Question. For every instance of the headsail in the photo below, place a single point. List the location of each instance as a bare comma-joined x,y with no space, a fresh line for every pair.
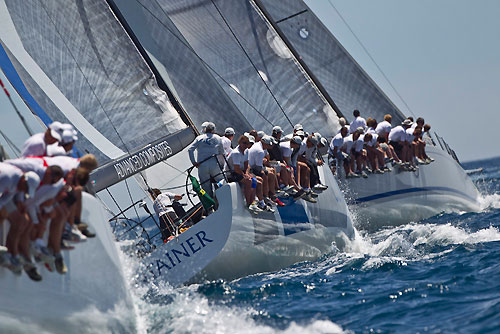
251,61
345,81
79,64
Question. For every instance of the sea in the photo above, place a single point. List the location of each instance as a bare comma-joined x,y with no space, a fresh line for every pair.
439,275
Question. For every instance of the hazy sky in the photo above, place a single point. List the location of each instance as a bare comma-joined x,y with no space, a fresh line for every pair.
443,57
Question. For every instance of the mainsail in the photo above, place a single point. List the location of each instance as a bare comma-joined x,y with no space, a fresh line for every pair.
252,63
345,81
78,63
193,84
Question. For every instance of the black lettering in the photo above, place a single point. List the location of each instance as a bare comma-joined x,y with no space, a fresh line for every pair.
203,238
171,261
191,244
175,252
160,264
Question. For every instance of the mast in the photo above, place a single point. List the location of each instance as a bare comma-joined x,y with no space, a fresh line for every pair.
297,57
159,79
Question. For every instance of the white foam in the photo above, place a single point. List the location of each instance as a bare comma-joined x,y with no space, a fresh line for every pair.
489,201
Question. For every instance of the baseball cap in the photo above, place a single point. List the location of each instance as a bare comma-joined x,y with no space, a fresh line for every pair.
229,131
68,136
261,134
33,181
298,126
267,140
56,129
324,141
407,122
277,129
251,138
296,140
360,129
210,126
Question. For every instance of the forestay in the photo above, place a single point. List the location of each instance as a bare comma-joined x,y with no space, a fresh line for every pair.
252,63
78,63
345,81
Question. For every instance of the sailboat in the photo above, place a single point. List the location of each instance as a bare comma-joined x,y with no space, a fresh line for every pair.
391,198
83,64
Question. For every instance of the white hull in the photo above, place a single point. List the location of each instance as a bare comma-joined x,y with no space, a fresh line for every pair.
232,242
91,297
397,198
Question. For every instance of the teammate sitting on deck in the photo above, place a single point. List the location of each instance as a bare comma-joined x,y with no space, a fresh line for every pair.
238,171
357,122
256,156
226,140
311,159
398,140
337,156
358,152
207,145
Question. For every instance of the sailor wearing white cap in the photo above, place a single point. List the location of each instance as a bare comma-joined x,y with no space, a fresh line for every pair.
13,181
227,139
207,145
36,145
65,146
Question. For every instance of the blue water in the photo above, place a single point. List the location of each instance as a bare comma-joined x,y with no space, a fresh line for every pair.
440,275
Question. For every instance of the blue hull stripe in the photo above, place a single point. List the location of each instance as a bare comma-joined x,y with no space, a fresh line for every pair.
408,191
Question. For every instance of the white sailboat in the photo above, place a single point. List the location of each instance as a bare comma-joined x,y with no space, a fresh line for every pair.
133,127
381,200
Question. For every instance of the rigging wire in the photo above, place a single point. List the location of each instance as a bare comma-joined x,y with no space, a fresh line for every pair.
91,88
12,146
28,129
370,56
251,62
188,47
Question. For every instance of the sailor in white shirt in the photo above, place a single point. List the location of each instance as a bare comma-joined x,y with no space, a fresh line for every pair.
207,145
163,206
338,157
65,146
36,145
13,181
384,128
398,139
357,122
226,140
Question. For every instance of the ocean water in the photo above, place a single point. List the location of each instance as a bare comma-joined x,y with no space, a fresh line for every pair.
440,275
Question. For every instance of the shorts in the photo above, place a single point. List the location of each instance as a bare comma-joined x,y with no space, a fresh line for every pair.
258,171
234,177
384,147
356,154
397,147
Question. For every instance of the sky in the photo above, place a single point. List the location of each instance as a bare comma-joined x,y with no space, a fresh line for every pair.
442,56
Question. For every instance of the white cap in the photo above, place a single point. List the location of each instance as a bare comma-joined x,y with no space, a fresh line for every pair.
407,122
324,141
250,138
267,140
261,134
296,140
298,127
229,131
68,136
300,133
56,129
33,181
277,129
360,129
